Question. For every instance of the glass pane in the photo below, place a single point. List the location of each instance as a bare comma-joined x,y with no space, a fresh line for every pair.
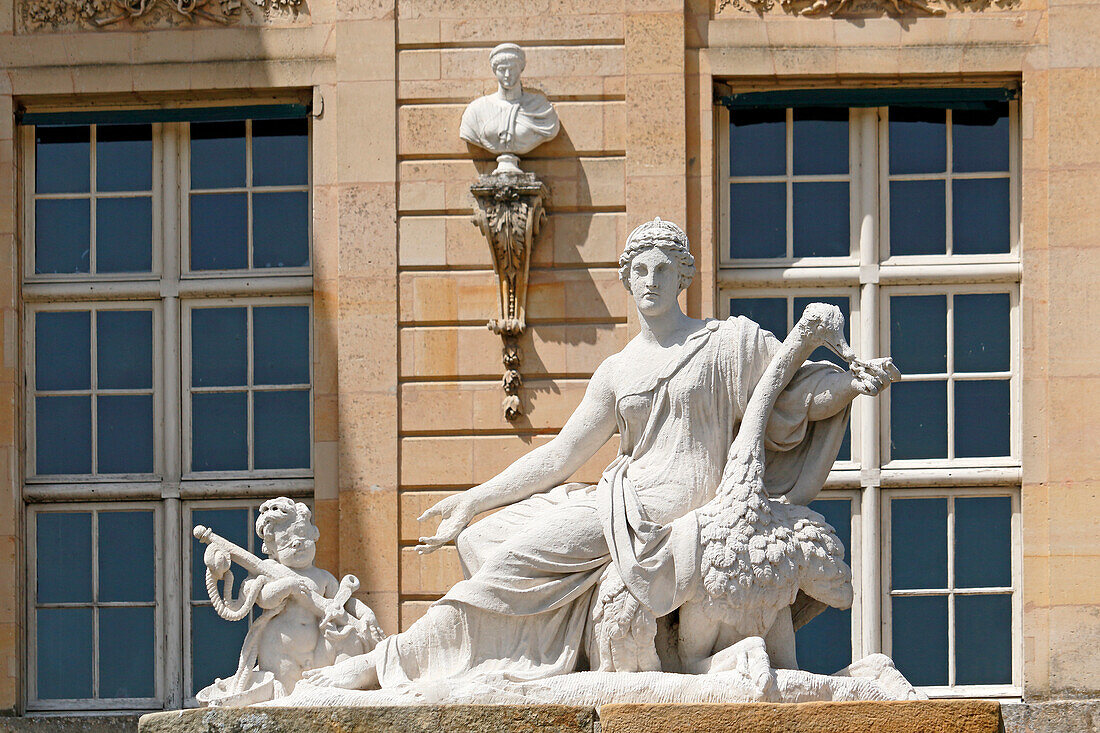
768,313
918,215
918,420
62,350
280,152
280,345
758,142
124,235
980,139
980,216
919,634
126,556
63,556
62,159
64,653
918,543
217,155
820,142
126,658
280,229
983,545
824,645
821,353
124,157
918,333
981,332
218,426
215,646
282,429
63,435
233,525
983,640
125,425
758,220
124,349
62,235
219,352
821,220
219,231
982,415
918,140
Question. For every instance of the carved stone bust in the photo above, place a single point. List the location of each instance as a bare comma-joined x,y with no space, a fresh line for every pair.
510,122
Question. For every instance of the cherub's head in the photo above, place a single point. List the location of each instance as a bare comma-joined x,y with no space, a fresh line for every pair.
288,533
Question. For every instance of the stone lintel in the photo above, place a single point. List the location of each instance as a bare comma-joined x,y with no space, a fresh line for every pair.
395,719
925,716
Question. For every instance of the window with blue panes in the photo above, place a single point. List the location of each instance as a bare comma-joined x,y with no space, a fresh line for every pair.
153,373
906,216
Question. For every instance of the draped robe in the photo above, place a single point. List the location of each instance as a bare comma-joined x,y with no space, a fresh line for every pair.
503,126
532,568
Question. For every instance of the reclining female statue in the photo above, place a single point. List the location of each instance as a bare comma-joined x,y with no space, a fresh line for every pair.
676,394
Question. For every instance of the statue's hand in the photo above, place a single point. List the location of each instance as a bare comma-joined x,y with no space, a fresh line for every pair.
874,375
456,512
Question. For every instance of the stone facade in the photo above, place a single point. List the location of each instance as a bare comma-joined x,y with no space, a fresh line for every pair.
406,393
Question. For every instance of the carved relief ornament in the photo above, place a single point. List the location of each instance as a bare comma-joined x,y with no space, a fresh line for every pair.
55,15
896,8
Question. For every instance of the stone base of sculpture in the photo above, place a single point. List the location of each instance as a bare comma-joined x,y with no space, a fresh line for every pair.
961,716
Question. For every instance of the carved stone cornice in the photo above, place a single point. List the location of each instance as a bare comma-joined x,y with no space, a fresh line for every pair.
510,209
67,15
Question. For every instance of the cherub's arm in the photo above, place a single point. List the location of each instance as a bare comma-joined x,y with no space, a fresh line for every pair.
277,590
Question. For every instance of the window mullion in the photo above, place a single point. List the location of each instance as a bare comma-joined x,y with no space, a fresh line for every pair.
951,590
171,545
867,214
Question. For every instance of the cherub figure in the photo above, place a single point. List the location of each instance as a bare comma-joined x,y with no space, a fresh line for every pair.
309,619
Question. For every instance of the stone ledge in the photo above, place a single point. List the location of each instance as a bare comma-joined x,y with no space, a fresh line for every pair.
926,716
397,719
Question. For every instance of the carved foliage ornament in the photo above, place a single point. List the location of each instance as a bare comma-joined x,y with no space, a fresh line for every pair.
510,210
63,14
859,7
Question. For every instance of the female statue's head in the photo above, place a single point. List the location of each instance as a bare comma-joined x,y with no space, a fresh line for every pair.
507,61
656,265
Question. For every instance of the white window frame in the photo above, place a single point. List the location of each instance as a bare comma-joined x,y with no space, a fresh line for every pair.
876,276
29,197
140,703
248,190
30,312
1015,689
169,290
249,389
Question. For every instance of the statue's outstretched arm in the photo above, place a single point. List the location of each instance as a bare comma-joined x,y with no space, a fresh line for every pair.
586,431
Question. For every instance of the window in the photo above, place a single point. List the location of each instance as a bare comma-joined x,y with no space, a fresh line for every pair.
168,338
906,216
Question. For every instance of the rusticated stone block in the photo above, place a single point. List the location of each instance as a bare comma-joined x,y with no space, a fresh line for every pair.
397,719
928,716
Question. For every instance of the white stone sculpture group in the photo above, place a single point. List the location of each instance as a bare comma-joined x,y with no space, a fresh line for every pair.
679,577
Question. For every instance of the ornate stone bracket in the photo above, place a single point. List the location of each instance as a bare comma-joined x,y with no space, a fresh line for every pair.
510,210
